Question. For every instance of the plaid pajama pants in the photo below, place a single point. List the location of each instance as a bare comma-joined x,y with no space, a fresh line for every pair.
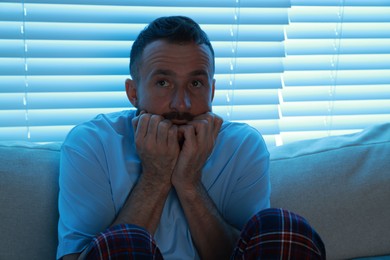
270,234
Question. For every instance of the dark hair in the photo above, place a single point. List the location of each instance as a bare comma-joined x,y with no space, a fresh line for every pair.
174,29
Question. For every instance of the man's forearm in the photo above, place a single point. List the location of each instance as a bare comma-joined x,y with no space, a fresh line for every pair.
213,237
144,205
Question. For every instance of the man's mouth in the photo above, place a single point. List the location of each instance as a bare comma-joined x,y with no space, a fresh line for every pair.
178,118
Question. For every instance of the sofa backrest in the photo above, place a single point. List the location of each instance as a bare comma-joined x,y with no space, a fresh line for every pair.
28,200
341,184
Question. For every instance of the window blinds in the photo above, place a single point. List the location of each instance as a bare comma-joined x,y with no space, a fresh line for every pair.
63,62
293,70
337,68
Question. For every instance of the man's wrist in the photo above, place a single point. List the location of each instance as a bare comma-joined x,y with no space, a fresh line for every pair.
151,183
189,191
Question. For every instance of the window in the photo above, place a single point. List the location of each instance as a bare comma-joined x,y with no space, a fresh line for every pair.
337,68
293,70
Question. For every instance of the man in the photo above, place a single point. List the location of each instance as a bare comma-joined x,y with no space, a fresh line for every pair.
170,180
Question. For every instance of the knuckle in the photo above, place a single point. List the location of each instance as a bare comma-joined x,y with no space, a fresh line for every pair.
172,130
155,118
144,116
143,119
165,123
203,122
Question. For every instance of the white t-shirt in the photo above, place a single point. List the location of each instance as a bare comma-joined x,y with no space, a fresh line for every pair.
99,167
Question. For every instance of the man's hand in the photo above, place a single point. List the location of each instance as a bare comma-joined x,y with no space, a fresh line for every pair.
199,139
157,147
212,236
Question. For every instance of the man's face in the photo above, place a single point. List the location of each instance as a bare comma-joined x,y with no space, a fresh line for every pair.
175,81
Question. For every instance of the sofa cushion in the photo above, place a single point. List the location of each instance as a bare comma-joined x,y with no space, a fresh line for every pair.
28,200
341,184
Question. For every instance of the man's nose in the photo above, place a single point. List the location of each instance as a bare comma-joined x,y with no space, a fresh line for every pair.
181,100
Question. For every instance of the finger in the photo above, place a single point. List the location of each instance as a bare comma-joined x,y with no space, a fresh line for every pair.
204,125
173,143
153,126
134,123
202,129
142,125
135,120
162,131
188,132
215,123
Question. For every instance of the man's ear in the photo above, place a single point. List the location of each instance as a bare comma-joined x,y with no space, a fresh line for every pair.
131,92
212,90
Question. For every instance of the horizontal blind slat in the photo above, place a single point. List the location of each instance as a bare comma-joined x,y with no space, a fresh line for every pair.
12,48
11,30
13,84
120,49
327,31
326,77
337,3
12,101
12,66
328,123
343,92
56,133
248,112
334,108
339,62
112,99
339,14
119,66
77,83
335,47
192,3
128,32
12,118
13,133
141,14
11,11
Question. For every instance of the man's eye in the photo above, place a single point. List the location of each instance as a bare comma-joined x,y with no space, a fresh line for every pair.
197,84
163,83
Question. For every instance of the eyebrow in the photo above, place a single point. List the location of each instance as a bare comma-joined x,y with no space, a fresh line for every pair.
163,72
199,73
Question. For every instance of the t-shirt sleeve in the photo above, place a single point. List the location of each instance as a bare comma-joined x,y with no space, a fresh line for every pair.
251,190
84,193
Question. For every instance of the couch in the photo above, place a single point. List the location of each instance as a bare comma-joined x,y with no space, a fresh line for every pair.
341,184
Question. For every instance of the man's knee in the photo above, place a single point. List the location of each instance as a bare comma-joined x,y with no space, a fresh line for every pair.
279,233
123,242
